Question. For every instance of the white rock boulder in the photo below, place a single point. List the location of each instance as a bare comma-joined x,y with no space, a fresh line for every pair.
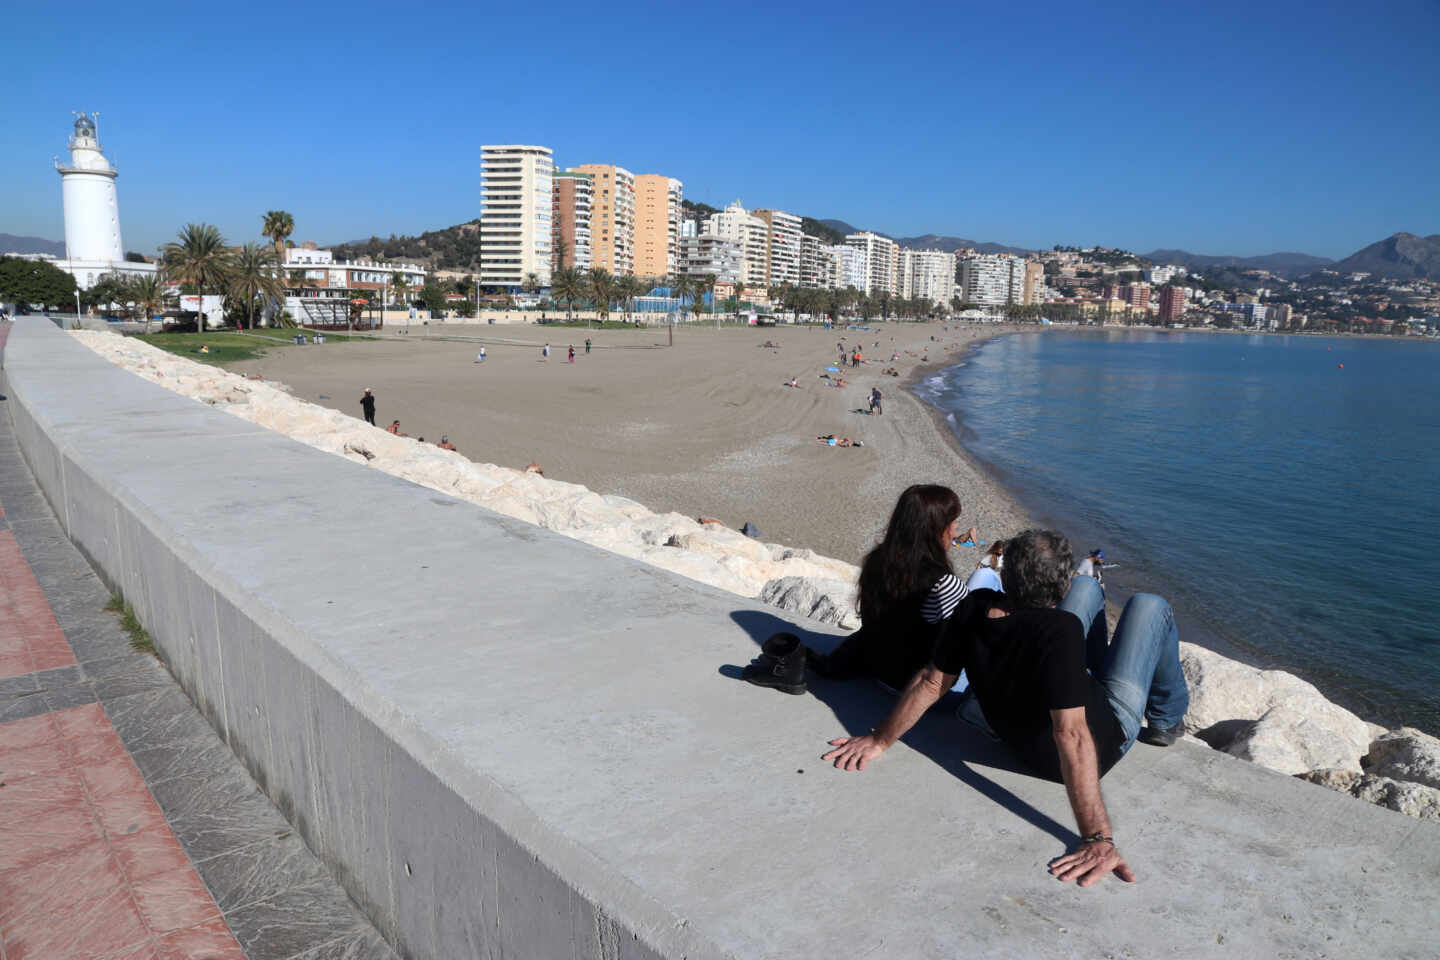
829,601
1303,735
1412,799
1405,754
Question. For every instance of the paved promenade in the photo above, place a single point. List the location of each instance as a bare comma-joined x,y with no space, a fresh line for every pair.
127,827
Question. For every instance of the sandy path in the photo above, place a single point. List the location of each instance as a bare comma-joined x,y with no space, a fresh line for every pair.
703,428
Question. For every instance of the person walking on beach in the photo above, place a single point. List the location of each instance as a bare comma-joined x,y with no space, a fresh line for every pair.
545,352
480,357
875,401
1068,709
587,346
367,406
572,353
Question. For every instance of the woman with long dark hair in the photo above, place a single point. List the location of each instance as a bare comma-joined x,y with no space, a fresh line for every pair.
907,592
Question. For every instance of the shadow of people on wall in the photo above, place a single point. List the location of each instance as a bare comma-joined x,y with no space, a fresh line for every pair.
940,736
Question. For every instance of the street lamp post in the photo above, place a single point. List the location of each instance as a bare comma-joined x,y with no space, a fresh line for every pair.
77,304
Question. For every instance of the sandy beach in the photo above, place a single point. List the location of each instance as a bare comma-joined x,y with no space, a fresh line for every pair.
703,428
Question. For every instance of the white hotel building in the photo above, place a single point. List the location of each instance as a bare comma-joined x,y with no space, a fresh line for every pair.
320,288
516,197
927,275
748,232
882,261
992,279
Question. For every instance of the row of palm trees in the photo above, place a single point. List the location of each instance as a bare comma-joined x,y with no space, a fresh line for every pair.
602,289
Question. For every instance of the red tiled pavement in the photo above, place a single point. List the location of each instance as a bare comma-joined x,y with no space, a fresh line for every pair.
30,639
88,866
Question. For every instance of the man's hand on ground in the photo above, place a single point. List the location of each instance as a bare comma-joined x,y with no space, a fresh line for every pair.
1090,863
854,753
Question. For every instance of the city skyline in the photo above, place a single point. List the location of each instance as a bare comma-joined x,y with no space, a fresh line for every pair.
1087,128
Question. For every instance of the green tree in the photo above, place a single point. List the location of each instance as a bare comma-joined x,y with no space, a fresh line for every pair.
255,274
402,287
148,292
434,296
684,288
35,281
278,225
628,288
199,256
108,288
602,290
568,284
531,284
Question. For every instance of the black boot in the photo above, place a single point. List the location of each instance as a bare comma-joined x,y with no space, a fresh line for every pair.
781,664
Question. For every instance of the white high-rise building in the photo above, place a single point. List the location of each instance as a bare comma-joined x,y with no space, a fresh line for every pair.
782,247
516,195
852,266
882,259
711,256
927,275
748,232
992,279
92,211
817,263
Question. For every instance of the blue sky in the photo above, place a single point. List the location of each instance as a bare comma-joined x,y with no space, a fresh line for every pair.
1217,128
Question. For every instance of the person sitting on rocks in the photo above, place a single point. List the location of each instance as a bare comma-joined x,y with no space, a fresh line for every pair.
907,591
445,443
1068,712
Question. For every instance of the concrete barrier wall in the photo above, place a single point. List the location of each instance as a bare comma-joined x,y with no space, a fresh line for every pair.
509,744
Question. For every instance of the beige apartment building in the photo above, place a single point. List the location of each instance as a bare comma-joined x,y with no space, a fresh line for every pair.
818,266
657,224
612,217
515,210
1034,290
571,202
782,247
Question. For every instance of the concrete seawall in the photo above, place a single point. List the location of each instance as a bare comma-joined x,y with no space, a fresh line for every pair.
509,744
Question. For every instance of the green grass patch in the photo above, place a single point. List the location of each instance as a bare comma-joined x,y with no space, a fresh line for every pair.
231,347
139,636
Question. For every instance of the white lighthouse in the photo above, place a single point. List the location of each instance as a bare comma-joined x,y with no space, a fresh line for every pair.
92,210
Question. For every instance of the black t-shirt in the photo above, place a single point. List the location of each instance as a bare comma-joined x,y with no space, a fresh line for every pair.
1021,667
367,403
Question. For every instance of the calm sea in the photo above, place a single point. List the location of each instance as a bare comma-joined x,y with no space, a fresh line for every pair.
1289,507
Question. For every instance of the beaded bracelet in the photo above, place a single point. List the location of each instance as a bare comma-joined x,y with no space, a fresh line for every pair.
1098,837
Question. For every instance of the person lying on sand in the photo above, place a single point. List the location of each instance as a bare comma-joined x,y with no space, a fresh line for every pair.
1068,708
792,382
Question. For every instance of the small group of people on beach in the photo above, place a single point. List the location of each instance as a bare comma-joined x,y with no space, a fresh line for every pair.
367,409
1028,634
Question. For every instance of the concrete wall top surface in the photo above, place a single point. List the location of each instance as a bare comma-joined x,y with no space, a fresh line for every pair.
587,705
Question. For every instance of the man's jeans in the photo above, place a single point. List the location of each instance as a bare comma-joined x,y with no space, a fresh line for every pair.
1140,668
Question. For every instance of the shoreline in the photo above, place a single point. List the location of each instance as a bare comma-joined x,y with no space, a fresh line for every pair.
1137,579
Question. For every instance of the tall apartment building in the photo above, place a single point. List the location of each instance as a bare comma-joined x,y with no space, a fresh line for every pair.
612,217
991,279
712,256
1161,275
782,247
1278,314
1172,303
1034,284
657,224
572,198
852,266
882,261
516,198
748,232
1135,295
817,263
927,275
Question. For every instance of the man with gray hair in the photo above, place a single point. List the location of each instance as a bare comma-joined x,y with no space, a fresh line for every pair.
1070,710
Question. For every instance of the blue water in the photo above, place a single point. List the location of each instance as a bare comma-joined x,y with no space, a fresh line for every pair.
1282,503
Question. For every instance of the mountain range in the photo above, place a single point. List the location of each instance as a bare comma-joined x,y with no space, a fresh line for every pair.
1401,256
1284,264
9,243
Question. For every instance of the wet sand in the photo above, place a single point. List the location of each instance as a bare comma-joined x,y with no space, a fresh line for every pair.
704,428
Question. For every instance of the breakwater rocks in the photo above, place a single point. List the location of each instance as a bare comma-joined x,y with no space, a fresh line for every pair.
1269,717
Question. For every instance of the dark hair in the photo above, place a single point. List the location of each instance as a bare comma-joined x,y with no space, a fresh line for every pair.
911,557
1037,570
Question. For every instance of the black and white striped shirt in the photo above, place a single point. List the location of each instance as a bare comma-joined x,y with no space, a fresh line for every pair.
944,596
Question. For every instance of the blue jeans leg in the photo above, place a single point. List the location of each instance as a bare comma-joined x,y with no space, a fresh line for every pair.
1086,599
1142,674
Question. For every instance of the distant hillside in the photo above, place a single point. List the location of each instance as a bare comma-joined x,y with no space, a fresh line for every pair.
1403,256
9,243
932,241
1284,264
817,228
451,248
840,227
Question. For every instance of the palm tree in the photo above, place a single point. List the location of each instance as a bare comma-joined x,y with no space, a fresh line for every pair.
683,287
531,283
278,226
148,291
254,275
568,284
199,256
401,285
628,288
706,285
602,291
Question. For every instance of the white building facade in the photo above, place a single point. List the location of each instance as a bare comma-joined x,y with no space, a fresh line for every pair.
992,279
516,196
710,256
927,275
782,247
882,261
748,232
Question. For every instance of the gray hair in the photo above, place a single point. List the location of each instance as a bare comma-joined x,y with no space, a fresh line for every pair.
1037,570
